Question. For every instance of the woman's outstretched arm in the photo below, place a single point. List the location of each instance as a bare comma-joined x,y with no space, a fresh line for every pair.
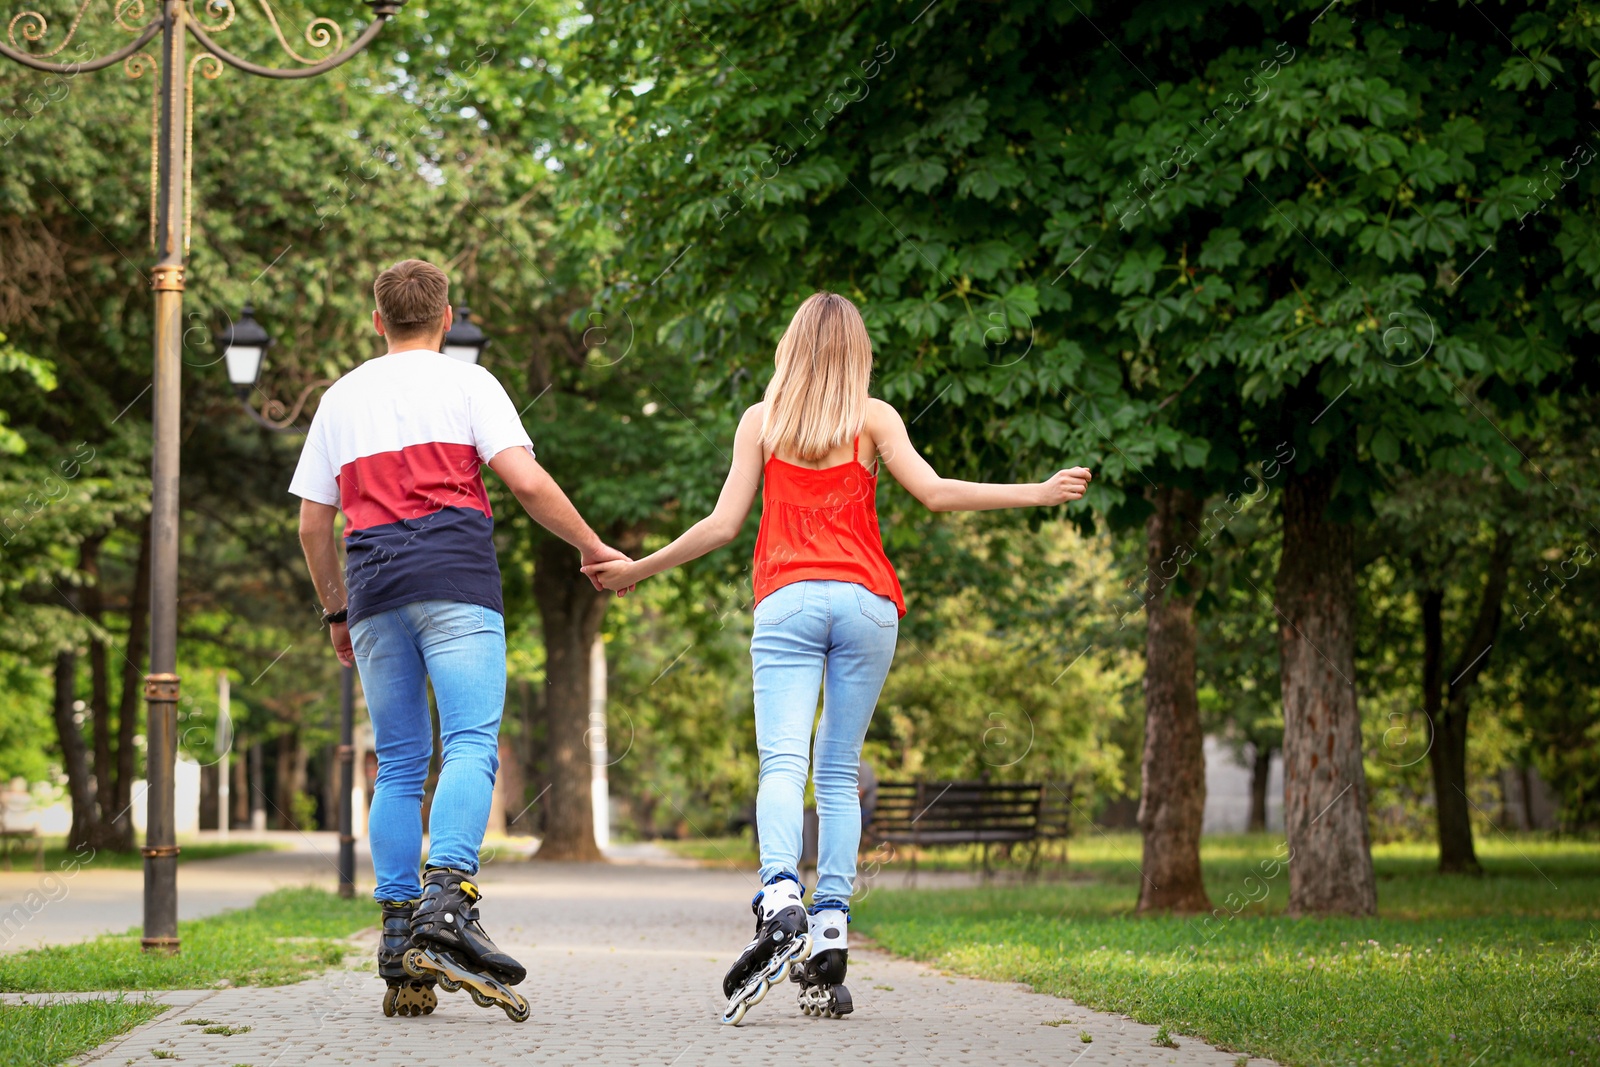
948,494
711,532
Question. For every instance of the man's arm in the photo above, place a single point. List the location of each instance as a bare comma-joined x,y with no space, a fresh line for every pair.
547,505
320,542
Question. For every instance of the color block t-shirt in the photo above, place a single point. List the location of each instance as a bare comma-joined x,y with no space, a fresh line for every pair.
397,444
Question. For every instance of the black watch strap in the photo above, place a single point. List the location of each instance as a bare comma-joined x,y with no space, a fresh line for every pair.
330,617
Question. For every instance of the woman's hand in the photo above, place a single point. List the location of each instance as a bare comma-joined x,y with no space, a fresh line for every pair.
1063,486
617,575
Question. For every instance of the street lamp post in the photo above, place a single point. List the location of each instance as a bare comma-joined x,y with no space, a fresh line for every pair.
175,23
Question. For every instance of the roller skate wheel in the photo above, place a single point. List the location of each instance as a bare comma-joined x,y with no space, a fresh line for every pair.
412,962
448,984
733,1015
518,1012
481,1000
389,996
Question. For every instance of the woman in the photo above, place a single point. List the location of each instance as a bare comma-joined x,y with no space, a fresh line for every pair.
828,608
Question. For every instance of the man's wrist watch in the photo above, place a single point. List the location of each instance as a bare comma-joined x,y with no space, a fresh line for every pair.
331,617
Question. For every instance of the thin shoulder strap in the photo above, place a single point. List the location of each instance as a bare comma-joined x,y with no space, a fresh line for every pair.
856,455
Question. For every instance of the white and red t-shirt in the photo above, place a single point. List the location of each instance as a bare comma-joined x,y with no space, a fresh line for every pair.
397,445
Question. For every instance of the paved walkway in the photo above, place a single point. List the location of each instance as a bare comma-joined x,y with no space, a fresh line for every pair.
61,907
625,966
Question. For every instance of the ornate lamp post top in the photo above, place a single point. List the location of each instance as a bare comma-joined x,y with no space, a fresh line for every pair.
32,27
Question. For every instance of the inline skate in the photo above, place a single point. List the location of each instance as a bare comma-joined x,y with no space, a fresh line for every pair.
453,949
821,976
405,995
782,936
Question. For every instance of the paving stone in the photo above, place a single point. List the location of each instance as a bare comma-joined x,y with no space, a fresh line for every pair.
625,968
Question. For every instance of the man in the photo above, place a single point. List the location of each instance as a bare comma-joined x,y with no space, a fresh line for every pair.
398,444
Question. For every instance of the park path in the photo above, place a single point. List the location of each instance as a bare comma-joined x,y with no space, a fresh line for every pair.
625,966
59,907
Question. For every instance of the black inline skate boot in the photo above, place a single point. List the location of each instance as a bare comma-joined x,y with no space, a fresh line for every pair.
782,937
821,976
452,948
406,995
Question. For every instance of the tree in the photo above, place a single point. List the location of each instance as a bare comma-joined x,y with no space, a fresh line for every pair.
968,178
1461,543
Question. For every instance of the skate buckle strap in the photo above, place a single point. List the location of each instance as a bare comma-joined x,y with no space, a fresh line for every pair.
470,890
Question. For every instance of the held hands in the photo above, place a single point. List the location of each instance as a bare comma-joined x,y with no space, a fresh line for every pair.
1063,486
604,562
617,574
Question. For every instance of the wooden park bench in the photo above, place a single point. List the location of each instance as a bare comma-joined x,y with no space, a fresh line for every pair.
14,837
1007,814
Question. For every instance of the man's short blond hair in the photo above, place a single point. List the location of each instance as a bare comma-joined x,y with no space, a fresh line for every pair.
412,297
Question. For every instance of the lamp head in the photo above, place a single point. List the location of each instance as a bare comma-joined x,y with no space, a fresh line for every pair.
465,341
243,345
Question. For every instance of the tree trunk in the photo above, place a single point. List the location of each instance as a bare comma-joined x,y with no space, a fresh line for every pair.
508,788
526,815
1260,768
1324,785
120,832
570,612
291,777
1172,789
239,794
74,756
105,777
1448,713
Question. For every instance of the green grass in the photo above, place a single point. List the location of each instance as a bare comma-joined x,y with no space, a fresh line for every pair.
288,935
57,857
44,1035
1499,969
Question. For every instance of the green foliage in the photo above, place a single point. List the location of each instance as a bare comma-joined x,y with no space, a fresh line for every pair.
41,375
974,705
24,720
680,730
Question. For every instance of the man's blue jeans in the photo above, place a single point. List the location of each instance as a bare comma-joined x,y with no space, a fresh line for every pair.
836,637
461,648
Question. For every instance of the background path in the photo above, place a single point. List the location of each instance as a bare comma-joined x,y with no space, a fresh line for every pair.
625,966
78,904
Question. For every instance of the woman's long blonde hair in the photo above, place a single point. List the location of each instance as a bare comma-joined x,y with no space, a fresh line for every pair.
817,400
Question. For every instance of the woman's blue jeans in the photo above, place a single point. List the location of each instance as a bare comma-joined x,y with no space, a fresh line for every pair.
461,649
837,638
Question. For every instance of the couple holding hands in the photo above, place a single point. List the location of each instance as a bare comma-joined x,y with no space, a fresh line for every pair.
398,444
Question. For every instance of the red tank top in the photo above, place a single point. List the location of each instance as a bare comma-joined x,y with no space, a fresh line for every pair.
822,524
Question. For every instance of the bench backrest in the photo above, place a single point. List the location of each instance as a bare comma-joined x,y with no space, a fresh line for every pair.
946,807
1055,811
